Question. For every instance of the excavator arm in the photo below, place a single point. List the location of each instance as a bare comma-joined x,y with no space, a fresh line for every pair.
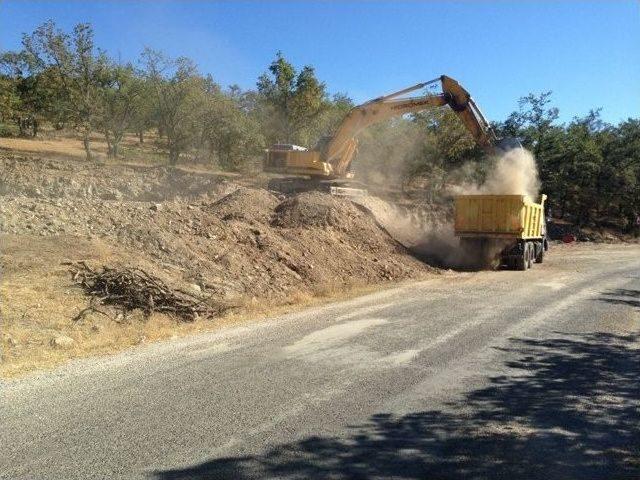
332,157
340,150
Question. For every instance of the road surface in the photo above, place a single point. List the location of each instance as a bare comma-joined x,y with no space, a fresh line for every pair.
478,375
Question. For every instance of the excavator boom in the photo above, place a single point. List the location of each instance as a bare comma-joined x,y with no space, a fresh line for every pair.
332,158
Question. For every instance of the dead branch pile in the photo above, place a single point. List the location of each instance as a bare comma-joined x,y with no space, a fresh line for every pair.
133,288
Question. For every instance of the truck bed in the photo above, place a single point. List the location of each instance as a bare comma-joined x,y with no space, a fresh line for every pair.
498,216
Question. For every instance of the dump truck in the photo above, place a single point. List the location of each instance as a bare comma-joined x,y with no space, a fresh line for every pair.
328,165
508,228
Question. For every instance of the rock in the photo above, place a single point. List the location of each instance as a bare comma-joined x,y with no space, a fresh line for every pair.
62,342
195,287
10,340
155,207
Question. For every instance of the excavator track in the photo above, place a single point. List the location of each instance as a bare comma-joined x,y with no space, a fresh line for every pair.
338,187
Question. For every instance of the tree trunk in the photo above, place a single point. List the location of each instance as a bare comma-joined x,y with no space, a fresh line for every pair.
174,153
141,137
107,137
115,146
34,127
86,144
21,127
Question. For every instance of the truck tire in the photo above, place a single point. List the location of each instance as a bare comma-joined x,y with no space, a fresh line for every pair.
521,261
530,249
540,255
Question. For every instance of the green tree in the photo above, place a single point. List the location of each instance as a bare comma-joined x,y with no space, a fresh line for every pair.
291,102
232,134
180,100
622,171
121,99
144,117
33,97
10,104
77,71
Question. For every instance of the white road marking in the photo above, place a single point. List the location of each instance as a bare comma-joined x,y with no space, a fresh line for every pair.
331,336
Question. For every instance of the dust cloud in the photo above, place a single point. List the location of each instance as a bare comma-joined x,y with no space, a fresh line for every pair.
430,235
513,173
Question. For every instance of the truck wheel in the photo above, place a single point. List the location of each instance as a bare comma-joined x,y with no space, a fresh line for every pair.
521,262
540,255
545,244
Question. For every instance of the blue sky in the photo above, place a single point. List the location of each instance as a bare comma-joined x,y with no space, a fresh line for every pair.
587,53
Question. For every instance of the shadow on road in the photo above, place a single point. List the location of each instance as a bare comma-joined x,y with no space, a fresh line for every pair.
569,410
622,296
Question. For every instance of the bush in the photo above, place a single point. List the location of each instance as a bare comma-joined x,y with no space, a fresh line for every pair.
7,130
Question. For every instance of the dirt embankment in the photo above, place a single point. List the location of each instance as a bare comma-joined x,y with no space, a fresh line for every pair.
195,231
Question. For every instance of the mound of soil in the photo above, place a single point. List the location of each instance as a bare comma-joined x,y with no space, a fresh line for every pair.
245,204
315,209
231,241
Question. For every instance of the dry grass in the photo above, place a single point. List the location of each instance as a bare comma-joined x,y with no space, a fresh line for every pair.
56,147
69,147
38,302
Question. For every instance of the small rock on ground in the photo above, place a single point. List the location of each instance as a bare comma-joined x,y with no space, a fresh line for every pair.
62,342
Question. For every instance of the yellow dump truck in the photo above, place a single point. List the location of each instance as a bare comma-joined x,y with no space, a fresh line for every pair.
508,228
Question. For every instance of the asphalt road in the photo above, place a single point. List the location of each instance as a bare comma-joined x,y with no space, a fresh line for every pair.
480,375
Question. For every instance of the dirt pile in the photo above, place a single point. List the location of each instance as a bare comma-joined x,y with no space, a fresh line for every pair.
22,175
244,244
245,204
315,209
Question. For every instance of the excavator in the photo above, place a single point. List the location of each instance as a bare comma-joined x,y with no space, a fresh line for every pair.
328,165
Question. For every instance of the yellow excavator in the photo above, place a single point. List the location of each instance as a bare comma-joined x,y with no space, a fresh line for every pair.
328,165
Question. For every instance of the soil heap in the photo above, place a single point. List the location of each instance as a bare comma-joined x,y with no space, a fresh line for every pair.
229,240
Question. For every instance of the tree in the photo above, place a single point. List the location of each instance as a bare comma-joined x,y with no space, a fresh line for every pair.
291,102
121,98
179,95
29,98
76,70
10,103
144,114
590,170
232,133
622,170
